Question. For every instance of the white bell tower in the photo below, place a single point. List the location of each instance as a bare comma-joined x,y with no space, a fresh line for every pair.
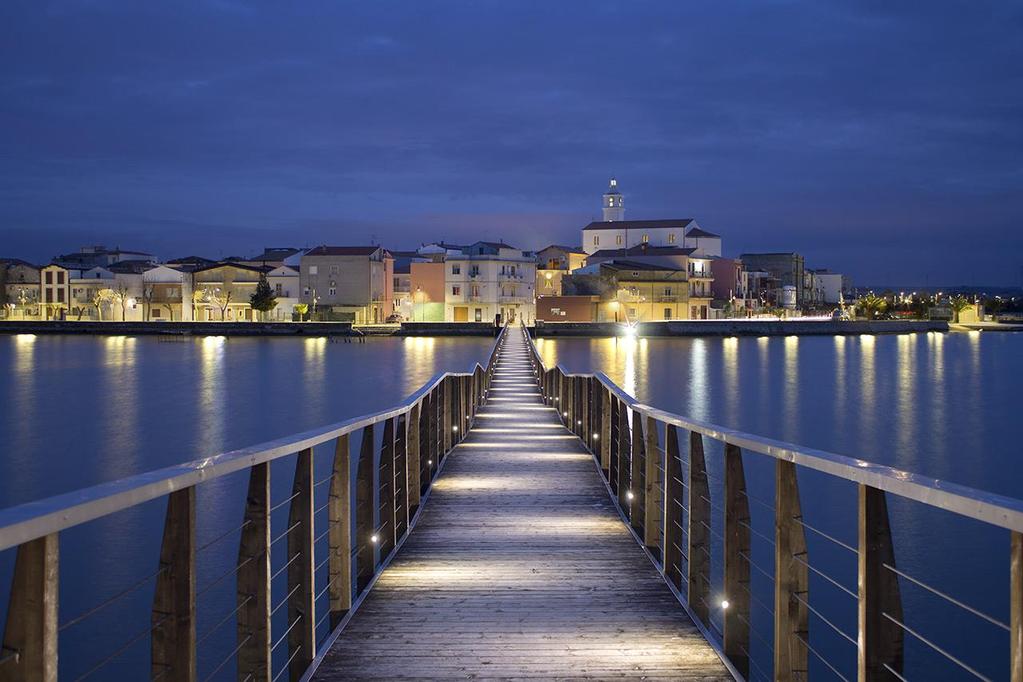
613,208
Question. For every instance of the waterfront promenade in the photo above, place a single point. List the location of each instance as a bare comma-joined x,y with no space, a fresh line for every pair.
520,567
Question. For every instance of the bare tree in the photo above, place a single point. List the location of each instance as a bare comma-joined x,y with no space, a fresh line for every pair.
99,298
148,292
121,296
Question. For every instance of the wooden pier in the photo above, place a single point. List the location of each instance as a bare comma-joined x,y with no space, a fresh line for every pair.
520,567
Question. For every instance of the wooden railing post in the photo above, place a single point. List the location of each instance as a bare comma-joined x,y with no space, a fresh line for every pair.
606,440
673,505
613,441
585,386
172,645
413,465
339,533
637,471
654,492
880,640
698,574
790,577
31,629
737,568
446,415
401,490
387,528
624,457
301,573
433,435
365,496
253,598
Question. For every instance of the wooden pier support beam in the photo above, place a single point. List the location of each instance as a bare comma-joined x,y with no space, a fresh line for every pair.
737,568
791,581
339,533
698,574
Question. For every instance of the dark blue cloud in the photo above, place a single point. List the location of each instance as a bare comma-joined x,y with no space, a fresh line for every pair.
881,140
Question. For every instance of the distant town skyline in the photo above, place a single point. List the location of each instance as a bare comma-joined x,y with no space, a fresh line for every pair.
861,136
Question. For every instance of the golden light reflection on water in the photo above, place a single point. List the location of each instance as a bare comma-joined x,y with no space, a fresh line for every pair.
120,417
212,393
791,401
419,356
699,392
868,387
730,353
905,387
840,388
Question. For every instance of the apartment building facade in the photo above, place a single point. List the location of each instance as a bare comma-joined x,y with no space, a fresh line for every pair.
489,279
348,283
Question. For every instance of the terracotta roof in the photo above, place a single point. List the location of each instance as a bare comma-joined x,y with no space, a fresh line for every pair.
636,224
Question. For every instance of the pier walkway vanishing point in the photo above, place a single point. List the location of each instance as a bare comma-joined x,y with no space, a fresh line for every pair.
520,567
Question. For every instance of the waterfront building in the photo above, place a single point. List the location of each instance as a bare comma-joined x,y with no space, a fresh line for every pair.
348,283
19,289
833,287
284,281
621,290
166,295
487,279
273,257
223,292
55,292
88,302
426,287
614,232
786,269
553,262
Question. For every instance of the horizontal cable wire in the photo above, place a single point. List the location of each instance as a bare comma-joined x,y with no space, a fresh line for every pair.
224,575
226,618
763,640
760,535
229,657
322,481
755,598
817,613
889,668
953,600
284,502
287,663
756,566
937,648
286,632
820,657
826,577
124,647
102,605
838,542
285,566
222,536
285,533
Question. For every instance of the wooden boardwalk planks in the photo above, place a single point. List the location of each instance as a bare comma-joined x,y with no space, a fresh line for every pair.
520,568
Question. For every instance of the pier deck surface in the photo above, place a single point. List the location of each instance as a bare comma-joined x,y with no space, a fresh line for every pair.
520,567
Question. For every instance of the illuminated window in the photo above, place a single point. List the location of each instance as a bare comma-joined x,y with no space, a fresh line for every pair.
671,237
646,238
596,240
456,291
618,239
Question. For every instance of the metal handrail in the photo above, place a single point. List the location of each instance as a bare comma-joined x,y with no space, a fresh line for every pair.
39,518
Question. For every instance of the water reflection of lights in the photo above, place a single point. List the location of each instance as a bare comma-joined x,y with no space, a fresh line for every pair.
211,393
791,409
699,392
730,348
906,407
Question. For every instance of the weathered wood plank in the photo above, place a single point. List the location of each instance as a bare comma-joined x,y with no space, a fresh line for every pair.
698,574
301,564
790,577
881,640
339,534
736,559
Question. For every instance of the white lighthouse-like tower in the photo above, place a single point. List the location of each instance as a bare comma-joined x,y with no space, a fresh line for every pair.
613,208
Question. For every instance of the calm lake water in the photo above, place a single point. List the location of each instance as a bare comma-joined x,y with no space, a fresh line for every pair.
79,411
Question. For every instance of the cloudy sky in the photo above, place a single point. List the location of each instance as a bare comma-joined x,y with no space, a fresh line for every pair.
884,140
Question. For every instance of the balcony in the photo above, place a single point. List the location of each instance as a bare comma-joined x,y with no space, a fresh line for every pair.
700,274
510,276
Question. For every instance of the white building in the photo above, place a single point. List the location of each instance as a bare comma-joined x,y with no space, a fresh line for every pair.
831,285
614,232
284,282
487,279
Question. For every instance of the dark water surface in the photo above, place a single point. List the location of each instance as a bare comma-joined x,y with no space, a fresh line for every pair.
943,405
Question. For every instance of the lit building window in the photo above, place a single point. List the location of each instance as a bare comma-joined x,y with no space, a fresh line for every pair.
646,238
618,239
671,237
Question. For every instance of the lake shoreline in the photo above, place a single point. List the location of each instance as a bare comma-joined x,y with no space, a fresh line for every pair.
690,328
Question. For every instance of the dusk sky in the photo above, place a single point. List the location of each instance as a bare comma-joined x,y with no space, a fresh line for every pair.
881,140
